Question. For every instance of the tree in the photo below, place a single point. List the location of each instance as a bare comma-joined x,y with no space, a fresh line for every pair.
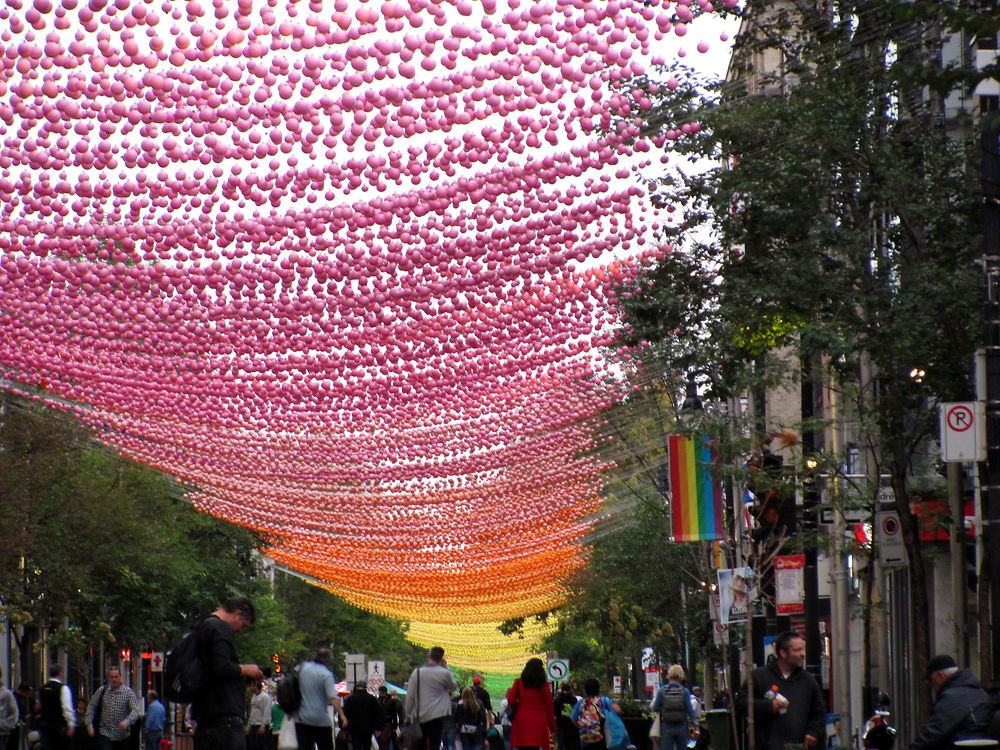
100,549
843,222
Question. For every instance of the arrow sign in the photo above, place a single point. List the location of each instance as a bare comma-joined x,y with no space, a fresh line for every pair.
558,669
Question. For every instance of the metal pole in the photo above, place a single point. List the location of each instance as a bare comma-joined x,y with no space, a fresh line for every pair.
990,165
956,545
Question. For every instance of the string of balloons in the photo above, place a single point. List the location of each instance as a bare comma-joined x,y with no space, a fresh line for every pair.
344,269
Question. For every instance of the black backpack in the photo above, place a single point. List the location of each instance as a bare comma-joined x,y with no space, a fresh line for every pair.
673,709
183,673
289,694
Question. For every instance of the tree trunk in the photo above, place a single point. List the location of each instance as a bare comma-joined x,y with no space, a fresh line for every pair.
919,601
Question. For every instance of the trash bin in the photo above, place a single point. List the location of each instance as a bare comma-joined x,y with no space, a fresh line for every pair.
720,729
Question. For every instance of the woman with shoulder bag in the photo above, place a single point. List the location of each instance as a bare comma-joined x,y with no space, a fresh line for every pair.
530,700
470,721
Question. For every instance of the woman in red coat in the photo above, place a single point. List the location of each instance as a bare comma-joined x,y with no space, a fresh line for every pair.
534,714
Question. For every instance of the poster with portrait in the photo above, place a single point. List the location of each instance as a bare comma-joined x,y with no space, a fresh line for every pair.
737,589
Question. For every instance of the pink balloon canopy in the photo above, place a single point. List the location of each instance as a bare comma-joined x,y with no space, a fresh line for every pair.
342,268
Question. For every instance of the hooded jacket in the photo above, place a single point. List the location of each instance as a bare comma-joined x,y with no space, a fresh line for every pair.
962,710
806,712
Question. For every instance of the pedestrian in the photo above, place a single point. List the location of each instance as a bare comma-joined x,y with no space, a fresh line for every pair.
589,716
788,705
112,711
505,722
449,737
25,698
277,722
567,734
56,722
484,698
218,711
962,710
81,740
9,714
428,698
156,721
259,721
534,719
313,727
675,705
364,716
696,701
470,720
392,718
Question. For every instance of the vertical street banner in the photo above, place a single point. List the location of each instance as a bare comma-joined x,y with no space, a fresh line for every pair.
695,491
789,584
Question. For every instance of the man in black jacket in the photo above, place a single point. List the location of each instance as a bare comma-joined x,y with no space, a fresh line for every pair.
219,710
962,709
364,716
788,706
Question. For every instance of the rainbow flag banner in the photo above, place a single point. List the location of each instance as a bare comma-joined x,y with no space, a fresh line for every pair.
695,492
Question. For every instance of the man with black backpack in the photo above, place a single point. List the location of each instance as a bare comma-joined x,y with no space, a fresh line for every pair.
677,714
219,706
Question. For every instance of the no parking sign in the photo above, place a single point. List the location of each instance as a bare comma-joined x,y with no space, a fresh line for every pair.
963,434
891,550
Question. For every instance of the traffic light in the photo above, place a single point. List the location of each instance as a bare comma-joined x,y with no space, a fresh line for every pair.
774,499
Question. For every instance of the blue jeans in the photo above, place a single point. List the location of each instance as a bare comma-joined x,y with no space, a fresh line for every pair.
674,736
151,740
448,735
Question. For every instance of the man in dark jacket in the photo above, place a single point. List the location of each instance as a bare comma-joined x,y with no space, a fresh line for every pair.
364,716
392,718
795,712
219,710
962,709
567,733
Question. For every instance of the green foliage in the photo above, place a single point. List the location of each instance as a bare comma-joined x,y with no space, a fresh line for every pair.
103,541
273,634
322,619
815,180
630,598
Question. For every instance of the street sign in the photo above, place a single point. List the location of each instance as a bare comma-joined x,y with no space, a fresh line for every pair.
156,661
355,668
851,516
616,684
891,550
558,669
376,675
963,433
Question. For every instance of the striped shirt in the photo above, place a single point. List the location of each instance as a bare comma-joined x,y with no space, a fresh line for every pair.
118,705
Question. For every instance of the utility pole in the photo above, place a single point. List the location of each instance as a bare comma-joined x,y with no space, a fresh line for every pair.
990,175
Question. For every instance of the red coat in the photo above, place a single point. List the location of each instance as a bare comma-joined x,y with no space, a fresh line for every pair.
535,718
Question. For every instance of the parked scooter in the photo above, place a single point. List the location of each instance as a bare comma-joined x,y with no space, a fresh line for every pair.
878,733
